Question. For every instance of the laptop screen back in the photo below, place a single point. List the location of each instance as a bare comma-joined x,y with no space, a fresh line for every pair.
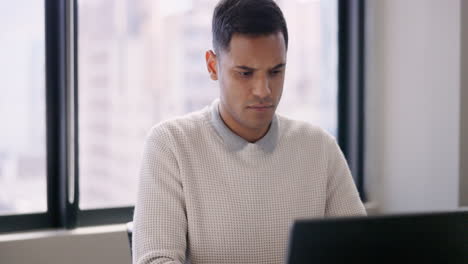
418,238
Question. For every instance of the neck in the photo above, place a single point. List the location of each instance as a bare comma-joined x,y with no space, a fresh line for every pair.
249,134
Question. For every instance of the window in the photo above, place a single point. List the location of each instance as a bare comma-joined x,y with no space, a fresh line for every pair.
86,79
141,62
22,108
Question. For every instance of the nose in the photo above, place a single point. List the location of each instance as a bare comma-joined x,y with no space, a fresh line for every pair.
261,88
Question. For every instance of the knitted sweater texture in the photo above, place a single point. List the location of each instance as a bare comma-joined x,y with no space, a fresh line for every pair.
206,195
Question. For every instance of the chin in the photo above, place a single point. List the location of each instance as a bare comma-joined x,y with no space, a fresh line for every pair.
257,124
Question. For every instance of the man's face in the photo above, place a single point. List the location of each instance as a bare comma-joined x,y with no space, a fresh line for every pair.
251,76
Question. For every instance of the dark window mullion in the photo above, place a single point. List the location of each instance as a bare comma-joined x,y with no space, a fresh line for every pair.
351,86
60,210
72,47
53,83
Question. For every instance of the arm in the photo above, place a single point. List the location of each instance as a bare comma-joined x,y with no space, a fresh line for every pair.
160,222
342,196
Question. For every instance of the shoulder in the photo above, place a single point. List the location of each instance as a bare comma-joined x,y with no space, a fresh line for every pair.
178,128
303,131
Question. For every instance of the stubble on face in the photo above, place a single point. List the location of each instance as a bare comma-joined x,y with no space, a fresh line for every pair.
251,76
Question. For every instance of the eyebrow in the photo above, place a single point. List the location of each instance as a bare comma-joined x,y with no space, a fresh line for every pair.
246,68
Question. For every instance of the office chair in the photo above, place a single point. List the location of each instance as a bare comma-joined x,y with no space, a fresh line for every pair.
129,234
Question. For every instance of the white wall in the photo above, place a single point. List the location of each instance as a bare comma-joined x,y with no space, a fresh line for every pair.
413,104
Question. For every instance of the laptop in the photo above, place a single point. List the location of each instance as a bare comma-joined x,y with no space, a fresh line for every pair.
413,238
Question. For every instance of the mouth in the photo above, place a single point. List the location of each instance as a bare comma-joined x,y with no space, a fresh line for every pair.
260,108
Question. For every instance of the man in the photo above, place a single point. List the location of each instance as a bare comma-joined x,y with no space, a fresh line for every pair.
224,185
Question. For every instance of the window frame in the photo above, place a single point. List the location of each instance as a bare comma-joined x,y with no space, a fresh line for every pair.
62,141
351,90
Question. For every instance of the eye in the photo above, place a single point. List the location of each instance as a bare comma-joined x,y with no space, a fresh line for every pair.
275,72
245,74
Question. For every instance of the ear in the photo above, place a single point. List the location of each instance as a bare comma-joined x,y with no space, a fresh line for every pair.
211,64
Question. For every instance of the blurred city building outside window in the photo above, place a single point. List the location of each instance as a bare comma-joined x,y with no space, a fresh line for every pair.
22,108
142,62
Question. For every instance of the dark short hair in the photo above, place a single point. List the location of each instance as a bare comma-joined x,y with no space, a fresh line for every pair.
249,17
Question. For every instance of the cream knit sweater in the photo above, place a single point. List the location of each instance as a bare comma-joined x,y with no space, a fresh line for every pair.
206,195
